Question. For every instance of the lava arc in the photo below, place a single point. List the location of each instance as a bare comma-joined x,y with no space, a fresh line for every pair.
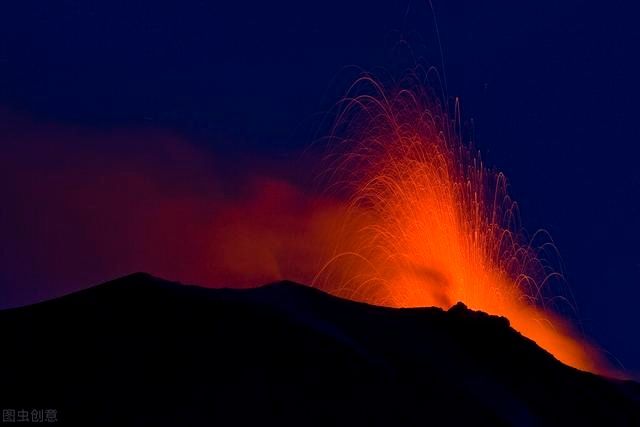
429,224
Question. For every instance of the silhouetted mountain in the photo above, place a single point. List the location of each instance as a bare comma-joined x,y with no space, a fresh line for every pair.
144,351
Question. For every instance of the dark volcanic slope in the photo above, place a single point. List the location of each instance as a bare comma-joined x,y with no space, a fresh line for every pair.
143,351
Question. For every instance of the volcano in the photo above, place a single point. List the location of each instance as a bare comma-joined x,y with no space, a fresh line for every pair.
145,351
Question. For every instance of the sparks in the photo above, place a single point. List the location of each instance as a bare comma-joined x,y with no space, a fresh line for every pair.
429,224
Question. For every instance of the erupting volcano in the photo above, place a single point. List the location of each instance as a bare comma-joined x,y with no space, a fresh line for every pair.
404,214
276,213
428,224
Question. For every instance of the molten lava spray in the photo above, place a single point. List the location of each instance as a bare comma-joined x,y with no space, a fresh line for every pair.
429,225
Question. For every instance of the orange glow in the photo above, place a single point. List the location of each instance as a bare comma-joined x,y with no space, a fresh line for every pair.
429,225
409,217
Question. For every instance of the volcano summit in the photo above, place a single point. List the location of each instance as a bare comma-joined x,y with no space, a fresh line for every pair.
144,351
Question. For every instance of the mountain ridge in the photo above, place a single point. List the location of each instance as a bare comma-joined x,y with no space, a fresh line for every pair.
266,354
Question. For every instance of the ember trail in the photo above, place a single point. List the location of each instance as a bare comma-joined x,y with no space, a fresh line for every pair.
428,224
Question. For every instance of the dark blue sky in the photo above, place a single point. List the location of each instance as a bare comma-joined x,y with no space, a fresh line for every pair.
552,88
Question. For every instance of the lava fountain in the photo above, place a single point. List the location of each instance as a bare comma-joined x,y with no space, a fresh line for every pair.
429,225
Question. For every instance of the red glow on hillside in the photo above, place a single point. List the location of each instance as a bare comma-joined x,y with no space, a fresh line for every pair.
81,206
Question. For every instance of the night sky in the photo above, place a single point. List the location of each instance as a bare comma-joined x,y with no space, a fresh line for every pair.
552,89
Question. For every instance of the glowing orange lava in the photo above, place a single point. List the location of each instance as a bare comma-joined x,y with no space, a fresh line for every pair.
429,225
